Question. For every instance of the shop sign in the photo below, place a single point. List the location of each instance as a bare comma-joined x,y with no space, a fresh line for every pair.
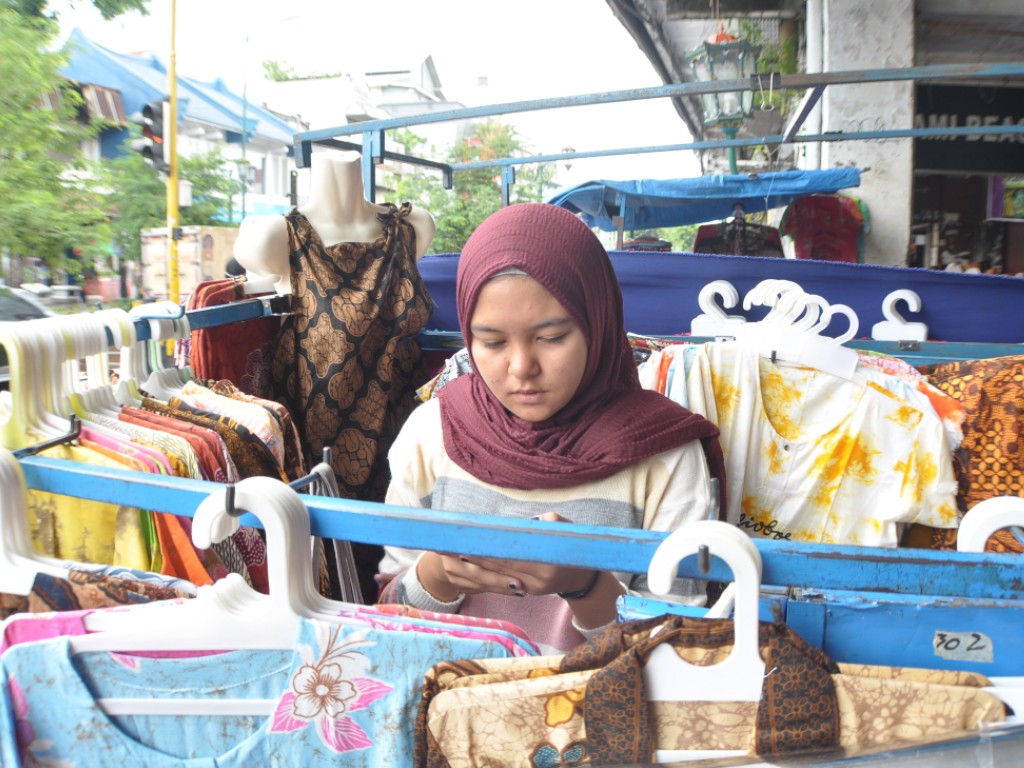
954,106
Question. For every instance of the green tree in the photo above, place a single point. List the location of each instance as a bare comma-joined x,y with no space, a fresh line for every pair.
681,237
138,196
138,200
212,188
107,8
50,201
476,193
278,71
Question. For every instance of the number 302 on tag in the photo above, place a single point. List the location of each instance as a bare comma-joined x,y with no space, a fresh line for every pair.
963,646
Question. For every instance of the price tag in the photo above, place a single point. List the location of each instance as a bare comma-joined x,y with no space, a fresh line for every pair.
963,646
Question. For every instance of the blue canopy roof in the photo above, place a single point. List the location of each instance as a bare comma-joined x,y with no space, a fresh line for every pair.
653,203
141,79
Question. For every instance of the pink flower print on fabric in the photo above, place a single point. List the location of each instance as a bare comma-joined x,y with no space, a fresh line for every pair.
326,692
29,747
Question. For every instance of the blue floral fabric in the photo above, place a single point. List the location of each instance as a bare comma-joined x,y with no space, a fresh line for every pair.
345,695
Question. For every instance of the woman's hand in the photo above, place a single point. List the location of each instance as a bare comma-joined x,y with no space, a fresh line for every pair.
526,577
446,576
519,577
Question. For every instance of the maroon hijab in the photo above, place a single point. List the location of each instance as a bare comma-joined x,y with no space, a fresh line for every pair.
611,422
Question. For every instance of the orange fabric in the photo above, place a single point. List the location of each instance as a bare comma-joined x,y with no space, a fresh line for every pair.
180,556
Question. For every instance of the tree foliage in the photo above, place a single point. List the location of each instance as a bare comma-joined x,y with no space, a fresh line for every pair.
476,192
278,71
138,200
681,237
213,187
138,196
50,201
107,8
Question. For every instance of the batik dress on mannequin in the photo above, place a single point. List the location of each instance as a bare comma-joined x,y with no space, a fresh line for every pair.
345,363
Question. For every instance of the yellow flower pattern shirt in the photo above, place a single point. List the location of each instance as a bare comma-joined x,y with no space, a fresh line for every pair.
815,457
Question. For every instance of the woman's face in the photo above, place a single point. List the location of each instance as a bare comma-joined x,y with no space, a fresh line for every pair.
528,349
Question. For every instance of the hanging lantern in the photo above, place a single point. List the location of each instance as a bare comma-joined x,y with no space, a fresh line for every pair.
724,57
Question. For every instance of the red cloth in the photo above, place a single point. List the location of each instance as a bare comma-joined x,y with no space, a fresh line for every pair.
612,421
825,227
233,351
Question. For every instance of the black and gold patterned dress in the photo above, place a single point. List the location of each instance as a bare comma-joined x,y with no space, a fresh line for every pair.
346,362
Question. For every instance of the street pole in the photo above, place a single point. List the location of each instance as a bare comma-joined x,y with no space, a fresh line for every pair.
730,133
174,288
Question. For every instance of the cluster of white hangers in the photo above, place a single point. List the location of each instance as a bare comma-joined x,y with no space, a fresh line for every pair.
61,366
789,303
792,331
794,328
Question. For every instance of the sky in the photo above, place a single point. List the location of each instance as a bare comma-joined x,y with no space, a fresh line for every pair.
528,49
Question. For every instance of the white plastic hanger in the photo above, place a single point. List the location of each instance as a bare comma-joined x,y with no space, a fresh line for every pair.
740,676
895,327
768,292
19,561
714,321
257,284
219,618
22,402
90,364
791,330
199,624
981,521
166,320
301,567
985,518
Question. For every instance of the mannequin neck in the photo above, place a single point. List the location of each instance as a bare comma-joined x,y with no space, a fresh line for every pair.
337,207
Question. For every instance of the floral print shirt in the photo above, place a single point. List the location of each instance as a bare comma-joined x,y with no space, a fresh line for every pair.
344,695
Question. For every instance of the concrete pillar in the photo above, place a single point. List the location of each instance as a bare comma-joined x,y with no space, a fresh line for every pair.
873,34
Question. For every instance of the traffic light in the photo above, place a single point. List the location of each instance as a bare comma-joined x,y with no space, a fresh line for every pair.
153,146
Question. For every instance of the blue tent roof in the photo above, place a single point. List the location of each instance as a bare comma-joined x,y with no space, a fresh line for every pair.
141,79
653,203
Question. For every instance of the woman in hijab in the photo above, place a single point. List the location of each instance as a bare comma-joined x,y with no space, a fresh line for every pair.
551,423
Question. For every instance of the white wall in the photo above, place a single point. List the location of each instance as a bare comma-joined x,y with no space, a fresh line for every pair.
873,34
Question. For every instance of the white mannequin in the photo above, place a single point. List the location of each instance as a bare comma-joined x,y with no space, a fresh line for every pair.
337,209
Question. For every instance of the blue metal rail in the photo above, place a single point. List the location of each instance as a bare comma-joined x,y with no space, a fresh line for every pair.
373,132
906,572
917,353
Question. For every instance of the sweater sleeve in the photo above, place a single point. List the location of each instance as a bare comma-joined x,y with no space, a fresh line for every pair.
678,491
413,475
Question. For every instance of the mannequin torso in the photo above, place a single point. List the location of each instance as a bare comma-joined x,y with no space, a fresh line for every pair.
337,209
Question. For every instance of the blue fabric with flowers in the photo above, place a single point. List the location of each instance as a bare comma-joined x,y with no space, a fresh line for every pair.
345,695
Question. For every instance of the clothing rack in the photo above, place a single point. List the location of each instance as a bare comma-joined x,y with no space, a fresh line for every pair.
976,584
915,352
210,317
992,575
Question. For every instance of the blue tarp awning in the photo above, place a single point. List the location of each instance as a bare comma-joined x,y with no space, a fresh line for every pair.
654,203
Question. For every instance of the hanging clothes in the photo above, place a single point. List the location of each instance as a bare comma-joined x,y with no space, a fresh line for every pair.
238,352
812,456
827,227
82,589
343,693
590,705
990,458
345,363
72,528
294,466
738,237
